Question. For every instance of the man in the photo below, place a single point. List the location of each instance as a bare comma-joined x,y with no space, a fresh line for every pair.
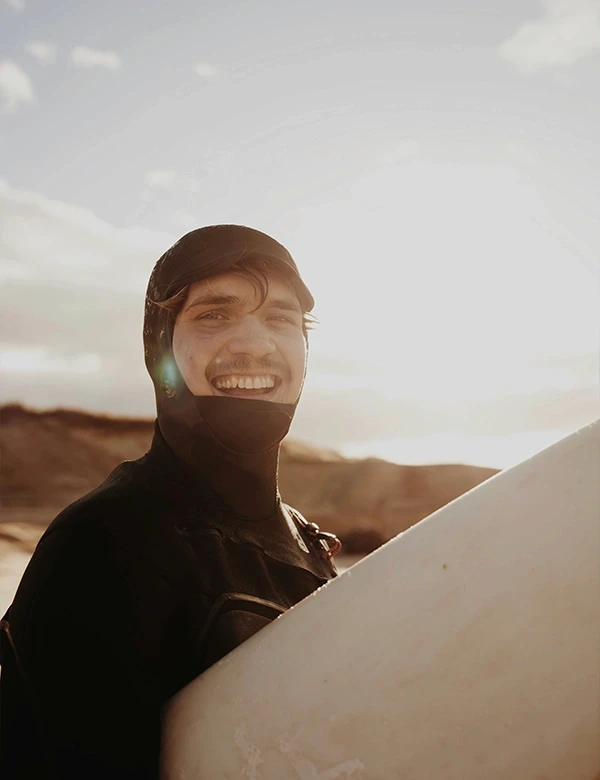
180,556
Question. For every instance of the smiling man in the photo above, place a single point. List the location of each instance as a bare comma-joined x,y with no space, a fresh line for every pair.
180,556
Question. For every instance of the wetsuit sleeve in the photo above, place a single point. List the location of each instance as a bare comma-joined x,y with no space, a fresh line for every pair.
92,657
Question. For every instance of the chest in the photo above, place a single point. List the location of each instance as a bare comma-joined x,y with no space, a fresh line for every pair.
231,585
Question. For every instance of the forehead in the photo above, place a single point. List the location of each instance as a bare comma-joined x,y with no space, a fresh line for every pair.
236,285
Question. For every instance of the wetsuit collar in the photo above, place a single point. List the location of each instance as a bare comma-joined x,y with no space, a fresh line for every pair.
229,447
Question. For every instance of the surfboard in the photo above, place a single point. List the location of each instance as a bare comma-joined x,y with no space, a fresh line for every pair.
467,647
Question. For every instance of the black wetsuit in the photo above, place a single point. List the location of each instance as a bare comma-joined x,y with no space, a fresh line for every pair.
132,592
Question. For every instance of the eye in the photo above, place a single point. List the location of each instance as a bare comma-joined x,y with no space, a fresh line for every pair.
211,315
283,320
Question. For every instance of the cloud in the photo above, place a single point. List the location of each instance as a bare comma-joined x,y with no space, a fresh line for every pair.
169,179
161,178
206,71
185,220
404,149
568,31
84,57
51,242
522,154
72,289
18,5
15,86
43,51
36,360
360,414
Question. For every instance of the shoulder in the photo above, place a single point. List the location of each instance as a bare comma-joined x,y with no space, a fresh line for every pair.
131,526
109,508
86,529
95,547
91,534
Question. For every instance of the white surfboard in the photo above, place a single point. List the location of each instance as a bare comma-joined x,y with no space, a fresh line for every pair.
467,648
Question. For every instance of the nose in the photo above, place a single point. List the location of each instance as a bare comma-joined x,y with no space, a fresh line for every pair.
251,338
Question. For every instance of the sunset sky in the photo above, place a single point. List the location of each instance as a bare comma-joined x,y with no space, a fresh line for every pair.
433,166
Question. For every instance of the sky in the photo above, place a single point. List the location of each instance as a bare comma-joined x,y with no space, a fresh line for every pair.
433,167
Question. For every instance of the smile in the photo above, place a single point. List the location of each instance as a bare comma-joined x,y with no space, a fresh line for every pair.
237,384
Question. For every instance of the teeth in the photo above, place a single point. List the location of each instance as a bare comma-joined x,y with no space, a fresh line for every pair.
246,383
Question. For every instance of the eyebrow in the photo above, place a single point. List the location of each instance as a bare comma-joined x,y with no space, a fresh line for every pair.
219,299
285,304
214,299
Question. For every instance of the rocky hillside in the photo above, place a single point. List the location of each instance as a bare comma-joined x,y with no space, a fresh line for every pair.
50,458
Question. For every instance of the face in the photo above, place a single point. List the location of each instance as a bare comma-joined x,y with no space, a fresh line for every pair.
224,345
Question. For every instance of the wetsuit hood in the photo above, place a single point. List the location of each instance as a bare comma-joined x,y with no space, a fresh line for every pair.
230,445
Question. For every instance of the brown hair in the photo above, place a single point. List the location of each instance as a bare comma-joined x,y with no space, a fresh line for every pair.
255,269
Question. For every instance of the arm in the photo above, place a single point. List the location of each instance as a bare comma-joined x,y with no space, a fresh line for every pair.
92,657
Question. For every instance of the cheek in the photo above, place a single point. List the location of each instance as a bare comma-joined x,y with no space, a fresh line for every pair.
181,351
190,358
297,358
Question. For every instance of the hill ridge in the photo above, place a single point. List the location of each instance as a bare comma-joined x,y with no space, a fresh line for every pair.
52,457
